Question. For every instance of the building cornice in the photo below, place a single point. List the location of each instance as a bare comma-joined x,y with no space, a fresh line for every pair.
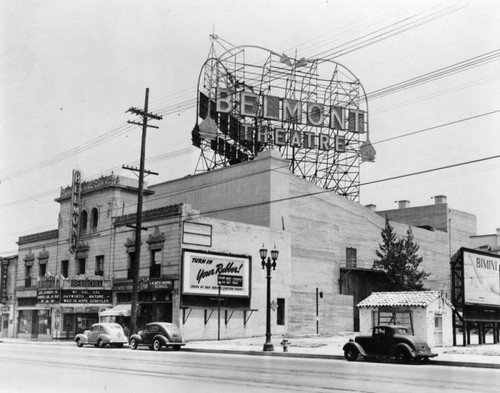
37,237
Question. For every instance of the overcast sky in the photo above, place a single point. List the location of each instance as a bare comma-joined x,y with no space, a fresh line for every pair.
70,69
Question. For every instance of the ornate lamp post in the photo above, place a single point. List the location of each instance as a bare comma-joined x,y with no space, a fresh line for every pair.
267,264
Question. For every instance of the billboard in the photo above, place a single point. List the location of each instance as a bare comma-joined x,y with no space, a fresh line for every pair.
481,278
203,272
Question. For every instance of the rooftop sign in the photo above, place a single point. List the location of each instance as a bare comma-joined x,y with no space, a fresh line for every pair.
314,111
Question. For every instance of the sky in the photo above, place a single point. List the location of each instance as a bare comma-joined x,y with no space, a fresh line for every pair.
70,69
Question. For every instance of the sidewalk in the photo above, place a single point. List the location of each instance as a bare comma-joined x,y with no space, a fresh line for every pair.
324,347
330,347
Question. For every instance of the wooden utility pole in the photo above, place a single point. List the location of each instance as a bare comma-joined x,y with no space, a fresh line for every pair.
138,224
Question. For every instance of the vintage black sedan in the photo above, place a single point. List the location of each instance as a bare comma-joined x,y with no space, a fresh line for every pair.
388,341
157,335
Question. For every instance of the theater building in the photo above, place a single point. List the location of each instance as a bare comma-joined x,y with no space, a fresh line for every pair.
200,229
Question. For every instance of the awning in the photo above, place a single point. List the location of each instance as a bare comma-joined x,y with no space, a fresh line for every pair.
120,310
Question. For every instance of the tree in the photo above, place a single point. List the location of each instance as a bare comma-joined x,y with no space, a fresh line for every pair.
399,260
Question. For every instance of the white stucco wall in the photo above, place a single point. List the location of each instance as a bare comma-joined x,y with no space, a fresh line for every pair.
423,322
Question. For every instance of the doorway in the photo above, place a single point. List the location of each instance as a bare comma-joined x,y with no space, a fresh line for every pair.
438,330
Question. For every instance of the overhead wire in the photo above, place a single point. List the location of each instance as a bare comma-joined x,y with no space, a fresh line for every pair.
167,109
163,110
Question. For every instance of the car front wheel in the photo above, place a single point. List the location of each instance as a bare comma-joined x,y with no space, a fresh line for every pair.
156,345
133,343
351,354
79,343
100,344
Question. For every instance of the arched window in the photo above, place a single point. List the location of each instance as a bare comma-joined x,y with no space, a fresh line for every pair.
94,219
83,222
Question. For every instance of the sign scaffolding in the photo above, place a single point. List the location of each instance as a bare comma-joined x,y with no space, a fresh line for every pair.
313,111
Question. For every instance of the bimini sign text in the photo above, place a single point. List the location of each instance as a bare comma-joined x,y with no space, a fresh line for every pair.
277,109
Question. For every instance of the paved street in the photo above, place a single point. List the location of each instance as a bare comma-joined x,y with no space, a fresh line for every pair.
52,368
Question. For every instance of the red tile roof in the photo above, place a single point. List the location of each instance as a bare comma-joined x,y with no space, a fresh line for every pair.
399,299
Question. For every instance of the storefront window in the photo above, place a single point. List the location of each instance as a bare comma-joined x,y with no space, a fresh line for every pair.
25,322
43,322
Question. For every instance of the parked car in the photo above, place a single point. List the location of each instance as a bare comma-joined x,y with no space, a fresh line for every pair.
102,334
157,335
388,341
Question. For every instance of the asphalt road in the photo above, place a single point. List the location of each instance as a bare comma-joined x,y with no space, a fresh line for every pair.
46,368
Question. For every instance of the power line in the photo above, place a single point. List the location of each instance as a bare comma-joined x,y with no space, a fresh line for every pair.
438,126
430,170
311,194
184,105
178,153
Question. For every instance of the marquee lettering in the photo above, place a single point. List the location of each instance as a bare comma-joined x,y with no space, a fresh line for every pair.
292,111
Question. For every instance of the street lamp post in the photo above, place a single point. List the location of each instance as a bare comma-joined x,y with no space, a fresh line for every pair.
268,264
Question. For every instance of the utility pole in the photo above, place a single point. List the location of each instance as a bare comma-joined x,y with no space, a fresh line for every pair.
145,115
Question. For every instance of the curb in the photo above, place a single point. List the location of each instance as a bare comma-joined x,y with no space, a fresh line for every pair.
447,363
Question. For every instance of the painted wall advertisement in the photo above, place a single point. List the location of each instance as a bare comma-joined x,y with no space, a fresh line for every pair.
203,272
481,279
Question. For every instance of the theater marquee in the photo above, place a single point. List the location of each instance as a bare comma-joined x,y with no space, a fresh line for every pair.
203,272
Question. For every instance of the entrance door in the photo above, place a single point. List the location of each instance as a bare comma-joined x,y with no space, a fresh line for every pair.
438,330
5,325
34,324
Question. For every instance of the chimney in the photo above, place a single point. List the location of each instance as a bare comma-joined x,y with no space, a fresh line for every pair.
438,199
403,204
371,207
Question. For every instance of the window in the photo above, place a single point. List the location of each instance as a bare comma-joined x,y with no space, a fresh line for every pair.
99,265
380,331
65,268
131,264
80,266
155,268
42,269
350,257
94,219
280,314
83,222
27,276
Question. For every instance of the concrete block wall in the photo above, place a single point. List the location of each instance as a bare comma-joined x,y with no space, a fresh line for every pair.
237,193
321,225
241,239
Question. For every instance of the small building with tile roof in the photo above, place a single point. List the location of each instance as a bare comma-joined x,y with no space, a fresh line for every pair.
428,314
